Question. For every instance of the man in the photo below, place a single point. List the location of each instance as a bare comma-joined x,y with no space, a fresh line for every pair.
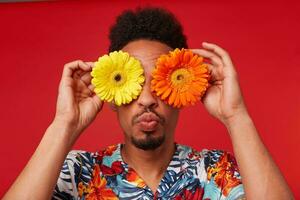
149,164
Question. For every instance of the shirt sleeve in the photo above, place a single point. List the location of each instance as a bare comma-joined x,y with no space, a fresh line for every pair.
223,178
76,168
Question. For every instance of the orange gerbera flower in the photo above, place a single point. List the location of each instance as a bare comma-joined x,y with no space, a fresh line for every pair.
180,78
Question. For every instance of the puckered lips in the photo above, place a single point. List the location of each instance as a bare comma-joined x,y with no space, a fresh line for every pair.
148,122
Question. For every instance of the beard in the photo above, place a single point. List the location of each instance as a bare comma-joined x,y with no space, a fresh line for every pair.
148,143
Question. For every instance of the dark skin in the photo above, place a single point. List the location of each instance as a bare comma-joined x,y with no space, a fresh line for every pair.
151,164
78,106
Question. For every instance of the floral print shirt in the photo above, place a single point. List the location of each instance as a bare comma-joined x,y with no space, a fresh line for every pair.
208,175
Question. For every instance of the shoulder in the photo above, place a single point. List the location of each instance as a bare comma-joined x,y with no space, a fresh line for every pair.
215,157
222,174
77,169
79,162
209,156
82,163
89,159
219,170
80,157
209,162
78,166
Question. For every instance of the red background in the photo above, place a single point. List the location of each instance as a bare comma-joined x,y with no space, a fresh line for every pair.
37,39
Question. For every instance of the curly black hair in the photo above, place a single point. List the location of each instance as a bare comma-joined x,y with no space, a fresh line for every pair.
150,23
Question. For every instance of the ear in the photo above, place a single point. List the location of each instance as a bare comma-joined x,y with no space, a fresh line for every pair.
113,106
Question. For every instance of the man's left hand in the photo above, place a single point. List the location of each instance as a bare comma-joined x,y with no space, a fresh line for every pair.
223,98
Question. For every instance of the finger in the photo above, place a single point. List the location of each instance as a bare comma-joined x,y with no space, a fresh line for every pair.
86,78
88,91
207,54
210,68
215,68
78,74
219,51
214,72
91,87
71,67
91,64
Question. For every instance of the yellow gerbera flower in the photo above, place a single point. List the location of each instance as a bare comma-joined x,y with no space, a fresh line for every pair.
117,77
180,78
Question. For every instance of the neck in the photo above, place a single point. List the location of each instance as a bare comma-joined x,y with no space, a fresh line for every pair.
150,162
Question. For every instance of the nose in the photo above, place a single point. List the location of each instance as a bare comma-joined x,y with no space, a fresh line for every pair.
147,99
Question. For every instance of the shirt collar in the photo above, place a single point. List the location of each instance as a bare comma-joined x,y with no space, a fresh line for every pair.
113,153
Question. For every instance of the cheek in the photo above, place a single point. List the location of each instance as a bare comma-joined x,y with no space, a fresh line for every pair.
124,117
170,114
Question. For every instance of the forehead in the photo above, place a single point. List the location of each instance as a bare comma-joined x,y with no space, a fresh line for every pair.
146,51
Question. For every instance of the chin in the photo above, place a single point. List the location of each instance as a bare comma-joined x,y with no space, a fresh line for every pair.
149,140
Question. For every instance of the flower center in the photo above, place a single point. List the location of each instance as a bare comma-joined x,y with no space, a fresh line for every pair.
118,78
180,78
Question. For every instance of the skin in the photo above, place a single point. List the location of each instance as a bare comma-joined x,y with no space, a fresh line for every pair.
147,53
77,107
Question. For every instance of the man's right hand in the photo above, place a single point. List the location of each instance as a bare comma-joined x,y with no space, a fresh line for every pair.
77,104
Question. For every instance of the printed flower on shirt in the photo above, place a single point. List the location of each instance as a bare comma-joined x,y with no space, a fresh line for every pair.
194,194
117,77
128,185
116,168
194,155
134,178
106,152
96,189
180,78
224,173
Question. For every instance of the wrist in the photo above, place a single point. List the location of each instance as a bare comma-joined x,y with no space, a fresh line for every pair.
239,117
63,122
64,131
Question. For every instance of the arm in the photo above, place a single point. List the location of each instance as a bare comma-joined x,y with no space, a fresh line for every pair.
77,106
261,177
223,100
38,178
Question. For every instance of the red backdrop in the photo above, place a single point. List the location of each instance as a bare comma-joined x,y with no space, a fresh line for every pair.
37,39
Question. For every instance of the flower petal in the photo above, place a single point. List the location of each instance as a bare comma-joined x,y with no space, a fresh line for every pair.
180,78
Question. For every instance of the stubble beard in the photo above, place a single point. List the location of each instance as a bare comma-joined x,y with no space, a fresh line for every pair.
148,143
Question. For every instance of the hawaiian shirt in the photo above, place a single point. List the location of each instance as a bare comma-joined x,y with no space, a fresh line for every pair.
208,175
